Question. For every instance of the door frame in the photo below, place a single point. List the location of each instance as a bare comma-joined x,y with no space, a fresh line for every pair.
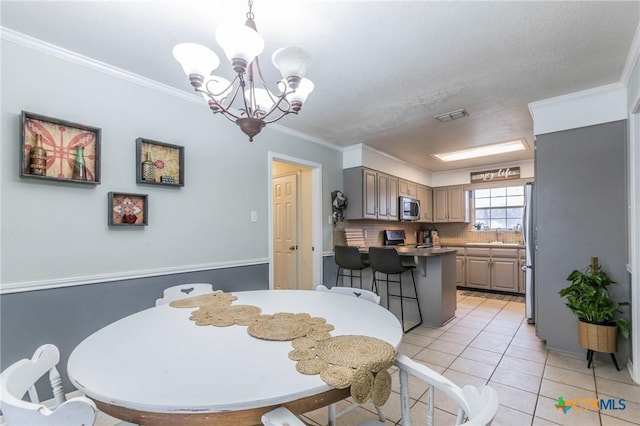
316,211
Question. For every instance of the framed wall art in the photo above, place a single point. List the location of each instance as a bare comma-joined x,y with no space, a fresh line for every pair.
127,209
159,163
59,150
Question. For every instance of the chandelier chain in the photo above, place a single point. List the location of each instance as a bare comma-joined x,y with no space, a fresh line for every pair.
250,14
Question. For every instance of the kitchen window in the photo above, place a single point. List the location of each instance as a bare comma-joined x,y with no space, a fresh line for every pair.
498,208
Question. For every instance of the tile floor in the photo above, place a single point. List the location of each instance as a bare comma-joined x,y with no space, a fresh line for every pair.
490,342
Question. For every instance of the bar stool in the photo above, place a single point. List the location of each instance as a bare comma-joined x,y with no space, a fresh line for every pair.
349,259
387,261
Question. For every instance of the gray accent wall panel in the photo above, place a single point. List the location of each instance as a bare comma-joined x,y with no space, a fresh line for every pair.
581,212
66,316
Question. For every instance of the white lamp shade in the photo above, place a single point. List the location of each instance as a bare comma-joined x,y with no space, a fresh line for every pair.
239,42
261,99
302,92
218,87
195,58
291,61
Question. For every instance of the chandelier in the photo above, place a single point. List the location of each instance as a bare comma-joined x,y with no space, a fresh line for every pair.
240,101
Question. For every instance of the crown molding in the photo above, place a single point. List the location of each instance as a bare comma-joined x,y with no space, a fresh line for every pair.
632,58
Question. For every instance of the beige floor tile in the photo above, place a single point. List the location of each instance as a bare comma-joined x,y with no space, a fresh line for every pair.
488,313
570,377
481,355
435,357
474,368
547,410
526,335
408,349
528,354
629,412
419,415
610,372
451,336
618,389
417,340
522,365
513,325
480,319
558,359
427,331
458,329
494,328
509,417
447,347
514,379
553,390
489,341
529,344
392,410
612,421
537,421
515,398
470,323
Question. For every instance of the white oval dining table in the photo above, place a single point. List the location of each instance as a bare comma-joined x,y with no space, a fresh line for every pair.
157,367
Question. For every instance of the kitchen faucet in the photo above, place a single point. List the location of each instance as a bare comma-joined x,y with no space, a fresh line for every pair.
498,233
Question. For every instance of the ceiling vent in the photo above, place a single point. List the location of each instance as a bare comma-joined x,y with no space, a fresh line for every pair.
448,116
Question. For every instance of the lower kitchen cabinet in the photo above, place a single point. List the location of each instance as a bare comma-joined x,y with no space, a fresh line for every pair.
504,274
478,272
461,279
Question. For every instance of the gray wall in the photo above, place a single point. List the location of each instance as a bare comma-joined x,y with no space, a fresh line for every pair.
581,212
66,316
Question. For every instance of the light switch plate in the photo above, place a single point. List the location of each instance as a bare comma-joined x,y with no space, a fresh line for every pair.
254,216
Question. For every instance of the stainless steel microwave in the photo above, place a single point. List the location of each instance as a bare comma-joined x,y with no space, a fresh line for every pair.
409,209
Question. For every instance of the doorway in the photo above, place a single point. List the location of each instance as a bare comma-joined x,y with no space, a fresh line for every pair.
295,225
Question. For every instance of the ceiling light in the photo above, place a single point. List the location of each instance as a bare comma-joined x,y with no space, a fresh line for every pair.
240,100
482,151
448,116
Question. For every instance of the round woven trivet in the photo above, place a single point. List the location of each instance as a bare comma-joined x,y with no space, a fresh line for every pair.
315,320
240,311
303,343
302,315
364,352
204,317
318,335
323,327
381,388
338,376
284,315
252,320
215,298
279,329
311,366
300,354
361,385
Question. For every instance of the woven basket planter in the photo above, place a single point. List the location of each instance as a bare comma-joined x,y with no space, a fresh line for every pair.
596,337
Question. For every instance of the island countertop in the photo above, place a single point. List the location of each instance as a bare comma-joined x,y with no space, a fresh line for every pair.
414,251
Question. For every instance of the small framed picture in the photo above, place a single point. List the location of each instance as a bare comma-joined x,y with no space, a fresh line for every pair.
59,150
127,209
159,163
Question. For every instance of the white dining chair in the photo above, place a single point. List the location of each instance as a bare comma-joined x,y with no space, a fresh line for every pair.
350,291
281,416
20,378
476,406
183,290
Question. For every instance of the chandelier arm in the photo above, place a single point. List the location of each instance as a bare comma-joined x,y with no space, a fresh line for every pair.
282,114
225,111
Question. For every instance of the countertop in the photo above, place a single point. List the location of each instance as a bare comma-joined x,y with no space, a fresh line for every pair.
414,251
493,245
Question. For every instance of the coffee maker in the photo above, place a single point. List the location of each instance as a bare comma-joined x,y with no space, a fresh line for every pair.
426,237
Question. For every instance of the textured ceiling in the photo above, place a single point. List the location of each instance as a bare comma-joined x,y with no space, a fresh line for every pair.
382,70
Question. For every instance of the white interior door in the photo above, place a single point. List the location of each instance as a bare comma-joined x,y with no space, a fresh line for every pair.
285,232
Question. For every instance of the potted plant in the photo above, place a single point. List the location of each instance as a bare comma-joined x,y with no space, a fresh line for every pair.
588,298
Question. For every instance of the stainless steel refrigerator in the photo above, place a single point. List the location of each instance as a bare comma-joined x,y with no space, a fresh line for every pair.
528,233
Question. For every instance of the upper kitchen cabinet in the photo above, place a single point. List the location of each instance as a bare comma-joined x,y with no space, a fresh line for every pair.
425,196
450,204
407,188
371,194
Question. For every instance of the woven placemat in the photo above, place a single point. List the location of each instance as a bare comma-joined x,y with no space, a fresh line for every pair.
304,343
215,298
363,352
252,319
338,376
283,328
311,366
208,316
300,354
381,388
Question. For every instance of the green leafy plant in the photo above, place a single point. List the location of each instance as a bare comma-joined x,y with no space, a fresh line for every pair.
589,299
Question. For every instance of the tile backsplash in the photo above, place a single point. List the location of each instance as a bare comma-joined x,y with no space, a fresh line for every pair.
450,233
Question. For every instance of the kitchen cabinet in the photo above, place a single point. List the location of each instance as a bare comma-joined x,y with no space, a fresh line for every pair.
493,269
461,278
425,196
371,194
450,204
408,188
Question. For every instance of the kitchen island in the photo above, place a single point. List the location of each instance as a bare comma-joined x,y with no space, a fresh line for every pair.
435,281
